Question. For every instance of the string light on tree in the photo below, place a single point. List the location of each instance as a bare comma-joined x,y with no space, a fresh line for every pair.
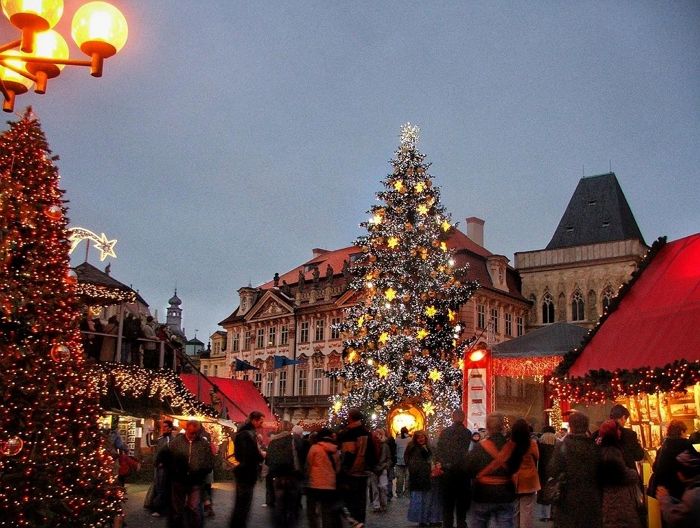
401,344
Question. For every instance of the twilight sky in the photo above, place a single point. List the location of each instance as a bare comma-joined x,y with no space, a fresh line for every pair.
229,138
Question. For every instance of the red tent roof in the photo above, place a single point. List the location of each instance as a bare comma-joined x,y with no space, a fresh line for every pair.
656,322
245,396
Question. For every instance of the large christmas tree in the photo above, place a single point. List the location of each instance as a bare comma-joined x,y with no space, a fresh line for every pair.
402,345
54,470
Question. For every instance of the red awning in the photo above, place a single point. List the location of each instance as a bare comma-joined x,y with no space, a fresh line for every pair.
244,395
658,319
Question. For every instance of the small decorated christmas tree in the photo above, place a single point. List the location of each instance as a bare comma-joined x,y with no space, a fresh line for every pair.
54,470
402,349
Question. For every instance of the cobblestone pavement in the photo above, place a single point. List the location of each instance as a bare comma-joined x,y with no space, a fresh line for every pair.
137,517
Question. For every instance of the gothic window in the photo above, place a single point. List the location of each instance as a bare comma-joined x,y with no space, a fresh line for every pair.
509,324
577,307
547,309
480,316
304,332
608,295
284,335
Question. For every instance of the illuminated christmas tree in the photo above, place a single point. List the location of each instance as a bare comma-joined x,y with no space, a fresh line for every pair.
402,344
53,468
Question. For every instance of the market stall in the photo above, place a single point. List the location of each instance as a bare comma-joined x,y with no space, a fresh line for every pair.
645,350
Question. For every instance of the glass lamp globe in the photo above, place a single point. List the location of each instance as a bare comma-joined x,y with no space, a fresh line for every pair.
14,81
99,27
52,45
36,15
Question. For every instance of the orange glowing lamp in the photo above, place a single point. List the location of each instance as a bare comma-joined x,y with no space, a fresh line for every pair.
477,355
99,27
31,17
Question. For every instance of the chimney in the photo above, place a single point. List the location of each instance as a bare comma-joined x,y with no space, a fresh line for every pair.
318,251
475,230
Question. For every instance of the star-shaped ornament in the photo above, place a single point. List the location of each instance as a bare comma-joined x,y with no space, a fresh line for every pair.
419,187
382,371
435,375
384,337
422,333
422,209
398,185
451,315
392,242
446,226
430,311
428,408
105,247
390,294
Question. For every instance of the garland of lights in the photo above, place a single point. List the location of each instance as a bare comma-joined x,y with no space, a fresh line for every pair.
525,367
99,294
138,383
600,385
401,343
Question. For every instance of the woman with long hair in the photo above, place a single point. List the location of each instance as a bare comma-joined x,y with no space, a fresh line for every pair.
425,506
526,479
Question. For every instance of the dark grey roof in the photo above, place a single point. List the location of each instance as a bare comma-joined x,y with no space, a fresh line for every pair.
597,212
555,339
88,273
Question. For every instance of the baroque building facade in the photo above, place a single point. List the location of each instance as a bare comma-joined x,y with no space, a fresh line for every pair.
295,315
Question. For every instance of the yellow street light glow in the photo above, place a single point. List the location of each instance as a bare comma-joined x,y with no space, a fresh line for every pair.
35,15
99,27
15,82
477,355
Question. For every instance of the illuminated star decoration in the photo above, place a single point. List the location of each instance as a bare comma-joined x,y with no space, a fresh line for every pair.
392,242
446,226
383,338
435,375
428,408
423,209
409,134
422,334
101,243
420,187
383,371
390,294
430,311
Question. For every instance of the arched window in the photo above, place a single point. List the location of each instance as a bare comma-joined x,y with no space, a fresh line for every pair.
547,309
607,296
577,307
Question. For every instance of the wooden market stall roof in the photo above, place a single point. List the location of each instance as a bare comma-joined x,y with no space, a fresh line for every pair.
97,287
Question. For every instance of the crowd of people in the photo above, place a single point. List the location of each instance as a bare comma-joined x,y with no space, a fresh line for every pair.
504,477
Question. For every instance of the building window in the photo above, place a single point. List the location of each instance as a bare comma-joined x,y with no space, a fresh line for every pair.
577,307
258,381
235,343
284,335
272,336
216,370
205,370
301,381
247,340
519,326
494,319
260,341
224,342
335,331
334,386
318,381
480,316
304,334
509,324
547,309
320,329
270,384
282,383
607,298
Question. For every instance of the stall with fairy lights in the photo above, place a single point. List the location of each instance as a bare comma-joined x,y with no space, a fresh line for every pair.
645,350
98,28
522,368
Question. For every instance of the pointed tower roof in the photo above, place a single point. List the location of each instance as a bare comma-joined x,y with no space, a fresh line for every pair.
597,212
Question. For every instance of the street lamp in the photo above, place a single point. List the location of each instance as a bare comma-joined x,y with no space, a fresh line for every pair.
98,28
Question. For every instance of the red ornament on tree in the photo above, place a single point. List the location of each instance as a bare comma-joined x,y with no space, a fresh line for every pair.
11,447
60,352
53,212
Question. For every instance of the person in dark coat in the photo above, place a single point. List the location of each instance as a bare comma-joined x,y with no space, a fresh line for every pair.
619,482
249,457
285,460
632,450
191,459
451,453
578,458
492,464
424,506
666,466
683,513
545,443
